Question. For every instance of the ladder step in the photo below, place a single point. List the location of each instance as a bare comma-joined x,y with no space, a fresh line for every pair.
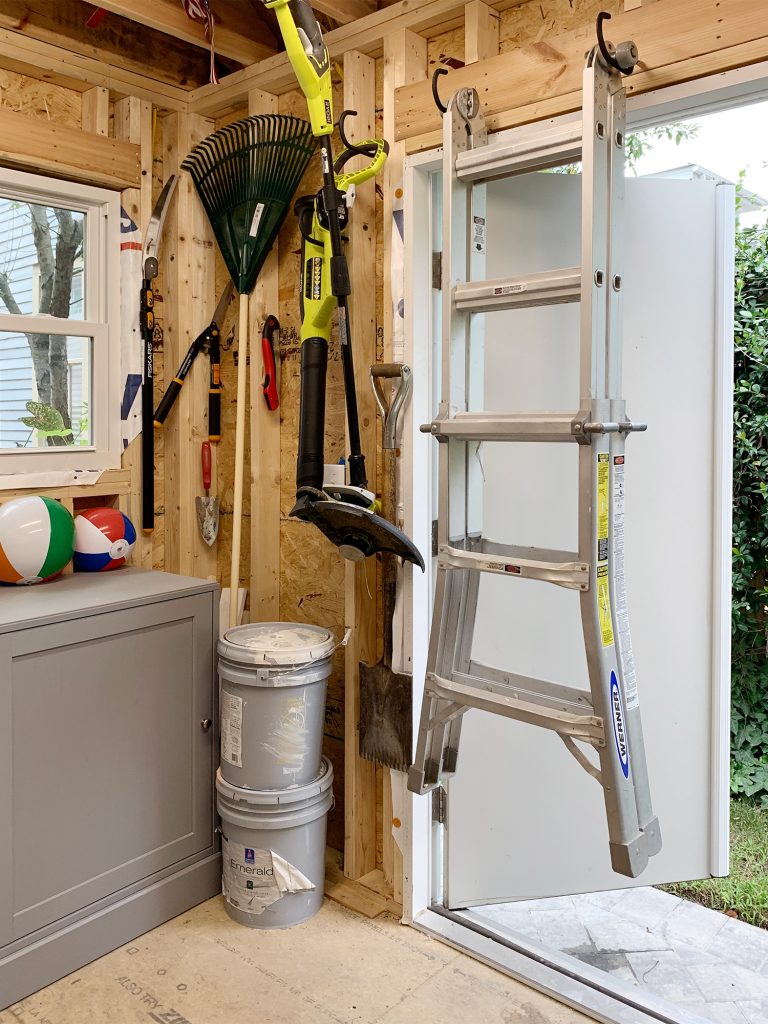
584,727
507,561
504,426
538,691
528,150
542,289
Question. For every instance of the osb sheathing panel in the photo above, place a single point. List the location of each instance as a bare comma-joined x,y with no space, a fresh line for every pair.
40,100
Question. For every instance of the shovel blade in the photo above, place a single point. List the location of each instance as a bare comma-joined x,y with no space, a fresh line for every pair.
208,519
386,729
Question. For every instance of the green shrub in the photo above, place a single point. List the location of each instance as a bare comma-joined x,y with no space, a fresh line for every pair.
749,717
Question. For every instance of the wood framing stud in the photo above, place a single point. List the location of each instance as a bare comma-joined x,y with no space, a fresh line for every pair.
133,122
95,116
188,257
265,435
481,32
405,61
345,11
65,152
360,592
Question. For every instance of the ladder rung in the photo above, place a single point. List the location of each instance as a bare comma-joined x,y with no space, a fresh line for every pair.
584,727
540,289
505,426
538,691
538,150
573,575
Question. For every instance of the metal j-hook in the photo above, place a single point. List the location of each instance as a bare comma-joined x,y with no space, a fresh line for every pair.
624,58
435,92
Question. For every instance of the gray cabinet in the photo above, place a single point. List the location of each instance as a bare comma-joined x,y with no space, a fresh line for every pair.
107,747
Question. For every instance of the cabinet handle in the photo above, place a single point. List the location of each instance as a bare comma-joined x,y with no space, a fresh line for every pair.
206,724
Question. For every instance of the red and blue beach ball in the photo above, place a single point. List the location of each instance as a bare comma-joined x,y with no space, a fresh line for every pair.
104,538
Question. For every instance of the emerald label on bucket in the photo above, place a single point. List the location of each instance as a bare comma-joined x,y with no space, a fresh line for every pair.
254,879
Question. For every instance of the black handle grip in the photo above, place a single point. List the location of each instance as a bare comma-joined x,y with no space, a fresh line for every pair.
310,463
166,402
214,414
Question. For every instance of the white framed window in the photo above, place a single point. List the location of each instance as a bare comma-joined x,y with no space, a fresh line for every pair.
60,389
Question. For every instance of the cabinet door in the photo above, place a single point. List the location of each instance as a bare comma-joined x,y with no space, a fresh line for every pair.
110,769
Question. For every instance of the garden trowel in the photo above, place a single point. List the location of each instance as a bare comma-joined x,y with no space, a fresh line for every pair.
207,507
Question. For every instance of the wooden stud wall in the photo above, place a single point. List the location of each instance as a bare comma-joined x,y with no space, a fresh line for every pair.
127,129
188,256
360,597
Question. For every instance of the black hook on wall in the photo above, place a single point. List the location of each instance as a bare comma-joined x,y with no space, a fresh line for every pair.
435,91
610,56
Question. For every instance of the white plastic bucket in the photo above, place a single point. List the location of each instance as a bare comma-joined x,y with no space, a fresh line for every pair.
273,850
273,682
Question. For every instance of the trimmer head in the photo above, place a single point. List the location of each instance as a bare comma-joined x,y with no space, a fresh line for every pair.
356,532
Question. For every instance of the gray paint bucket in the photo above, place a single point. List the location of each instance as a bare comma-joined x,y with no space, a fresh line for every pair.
273,850
273,681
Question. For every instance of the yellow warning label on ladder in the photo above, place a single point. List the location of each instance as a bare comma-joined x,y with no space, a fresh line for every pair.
604,606
602,506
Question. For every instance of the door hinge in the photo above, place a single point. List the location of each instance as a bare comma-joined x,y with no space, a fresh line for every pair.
439,805
434,538
437,270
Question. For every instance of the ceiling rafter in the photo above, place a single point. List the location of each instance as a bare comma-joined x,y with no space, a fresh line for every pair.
168,16
344,11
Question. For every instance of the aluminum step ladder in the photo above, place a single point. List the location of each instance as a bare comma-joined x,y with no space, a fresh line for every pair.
608,716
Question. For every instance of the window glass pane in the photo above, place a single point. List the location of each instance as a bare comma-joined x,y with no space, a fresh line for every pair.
45,391
41,259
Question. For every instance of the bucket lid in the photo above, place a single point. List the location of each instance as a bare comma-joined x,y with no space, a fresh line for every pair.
289,644
278,797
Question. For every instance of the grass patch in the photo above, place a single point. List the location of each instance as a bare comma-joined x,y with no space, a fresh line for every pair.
745,891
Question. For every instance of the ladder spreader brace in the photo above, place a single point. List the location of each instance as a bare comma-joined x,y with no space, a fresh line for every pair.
608,716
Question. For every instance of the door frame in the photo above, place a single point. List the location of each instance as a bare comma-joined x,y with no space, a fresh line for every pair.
556,974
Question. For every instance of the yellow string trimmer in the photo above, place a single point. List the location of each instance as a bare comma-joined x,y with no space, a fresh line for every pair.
343,514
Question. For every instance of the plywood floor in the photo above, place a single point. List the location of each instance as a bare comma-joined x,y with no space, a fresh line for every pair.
340,968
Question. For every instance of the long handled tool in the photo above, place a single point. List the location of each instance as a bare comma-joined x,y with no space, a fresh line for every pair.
147,325
386,697
350,523
208,341
246,174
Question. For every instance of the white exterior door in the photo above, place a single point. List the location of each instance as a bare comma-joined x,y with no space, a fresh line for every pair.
523,819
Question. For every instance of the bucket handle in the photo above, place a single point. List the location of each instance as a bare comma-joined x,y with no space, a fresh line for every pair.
292,668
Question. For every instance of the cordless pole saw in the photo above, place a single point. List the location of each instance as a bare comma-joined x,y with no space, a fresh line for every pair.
343,514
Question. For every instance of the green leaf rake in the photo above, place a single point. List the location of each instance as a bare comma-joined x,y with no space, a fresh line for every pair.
246,175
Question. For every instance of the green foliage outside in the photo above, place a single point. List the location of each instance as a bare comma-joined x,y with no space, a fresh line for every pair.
749,712
749,708
46,422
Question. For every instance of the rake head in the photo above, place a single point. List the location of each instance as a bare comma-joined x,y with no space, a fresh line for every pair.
246,175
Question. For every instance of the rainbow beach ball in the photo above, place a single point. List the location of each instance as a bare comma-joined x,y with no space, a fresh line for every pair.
104,538
37,538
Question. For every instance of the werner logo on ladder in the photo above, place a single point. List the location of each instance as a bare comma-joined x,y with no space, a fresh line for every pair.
608,716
